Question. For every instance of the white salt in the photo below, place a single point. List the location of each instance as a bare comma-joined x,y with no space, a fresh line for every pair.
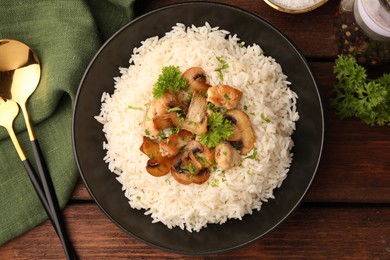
296,4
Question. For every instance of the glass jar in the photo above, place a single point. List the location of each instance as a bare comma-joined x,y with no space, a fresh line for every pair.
362,29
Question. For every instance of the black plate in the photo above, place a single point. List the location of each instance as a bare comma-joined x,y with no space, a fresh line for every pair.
88,136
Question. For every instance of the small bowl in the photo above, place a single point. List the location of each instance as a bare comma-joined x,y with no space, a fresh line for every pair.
278,5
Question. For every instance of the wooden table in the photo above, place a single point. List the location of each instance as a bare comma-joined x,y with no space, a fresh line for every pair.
346,213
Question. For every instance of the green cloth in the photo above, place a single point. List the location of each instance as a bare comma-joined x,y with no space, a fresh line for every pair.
65,34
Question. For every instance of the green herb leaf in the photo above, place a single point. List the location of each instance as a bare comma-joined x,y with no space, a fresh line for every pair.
356,96
169,80
223,66
173,130
219,130
266,119
253,155
191,169
134,108
214,183
161,134
173,109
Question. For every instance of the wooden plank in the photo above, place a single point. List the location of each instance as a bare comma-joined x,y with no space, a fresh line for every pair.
329,232
355,164
316,25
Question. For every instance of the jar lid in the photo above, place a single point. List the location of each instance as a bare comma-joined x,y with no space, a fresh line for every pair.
374,18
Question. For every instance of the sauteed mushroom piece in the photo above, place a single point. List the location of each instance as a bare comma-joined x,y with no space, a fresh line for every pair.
174,143
191,166
165,102
187,178
224,96
157,165
196,118
177,117
201,153
156,118
196,78
162,122
243,137
226,156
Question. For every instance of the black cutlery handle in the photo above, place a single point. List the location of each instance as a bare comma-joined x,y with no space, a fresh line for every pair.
39,190
52,200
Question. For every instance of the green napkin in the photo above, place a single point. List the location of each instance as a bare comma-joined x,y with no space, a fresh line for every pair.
65,34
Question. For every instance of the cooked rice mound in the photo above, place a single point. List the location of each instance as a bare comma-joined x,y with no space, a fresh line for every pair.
267,99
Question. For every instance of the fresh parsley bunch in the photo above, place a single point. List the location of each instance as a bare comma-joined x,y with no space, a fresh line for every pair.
357,96
169,80
219,130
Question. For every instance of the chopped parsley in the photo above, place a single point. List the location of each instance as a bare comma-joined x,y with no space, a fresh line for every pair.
266,119
223,66
219,130
169,80
191,169
161,134
215,108
214,183
253,155
134,108
173,109
173,131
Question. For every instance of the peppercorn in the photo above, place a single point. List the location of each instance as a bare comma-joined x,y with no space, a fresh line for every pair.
351,40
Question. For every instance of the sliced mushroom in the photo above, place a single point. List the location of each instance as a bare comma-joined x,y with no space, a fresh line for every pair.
156,117
196,79
162,122
226,156
177,118
196,118
224,96
243,137
174,143
165,102
149,125
187,178
191,166
200,153
157,165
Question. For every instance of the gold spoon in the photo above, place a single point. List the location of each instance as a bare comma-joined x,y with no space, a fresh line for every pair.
8,112
20,72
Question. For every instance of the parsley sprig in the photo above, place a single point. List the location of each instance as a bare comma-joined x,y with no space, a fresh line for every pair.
219,130
169,80
356,96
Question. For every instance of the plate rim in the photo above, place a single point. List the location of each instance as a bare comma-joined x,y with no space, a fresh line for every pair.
96,56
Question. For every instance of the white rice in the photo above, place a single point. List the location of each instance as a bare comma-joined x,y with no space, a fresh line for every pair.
226,195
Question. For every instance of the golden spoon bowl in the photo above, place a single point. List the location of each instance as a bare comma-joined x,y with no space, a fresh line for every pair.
20,72
8,112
